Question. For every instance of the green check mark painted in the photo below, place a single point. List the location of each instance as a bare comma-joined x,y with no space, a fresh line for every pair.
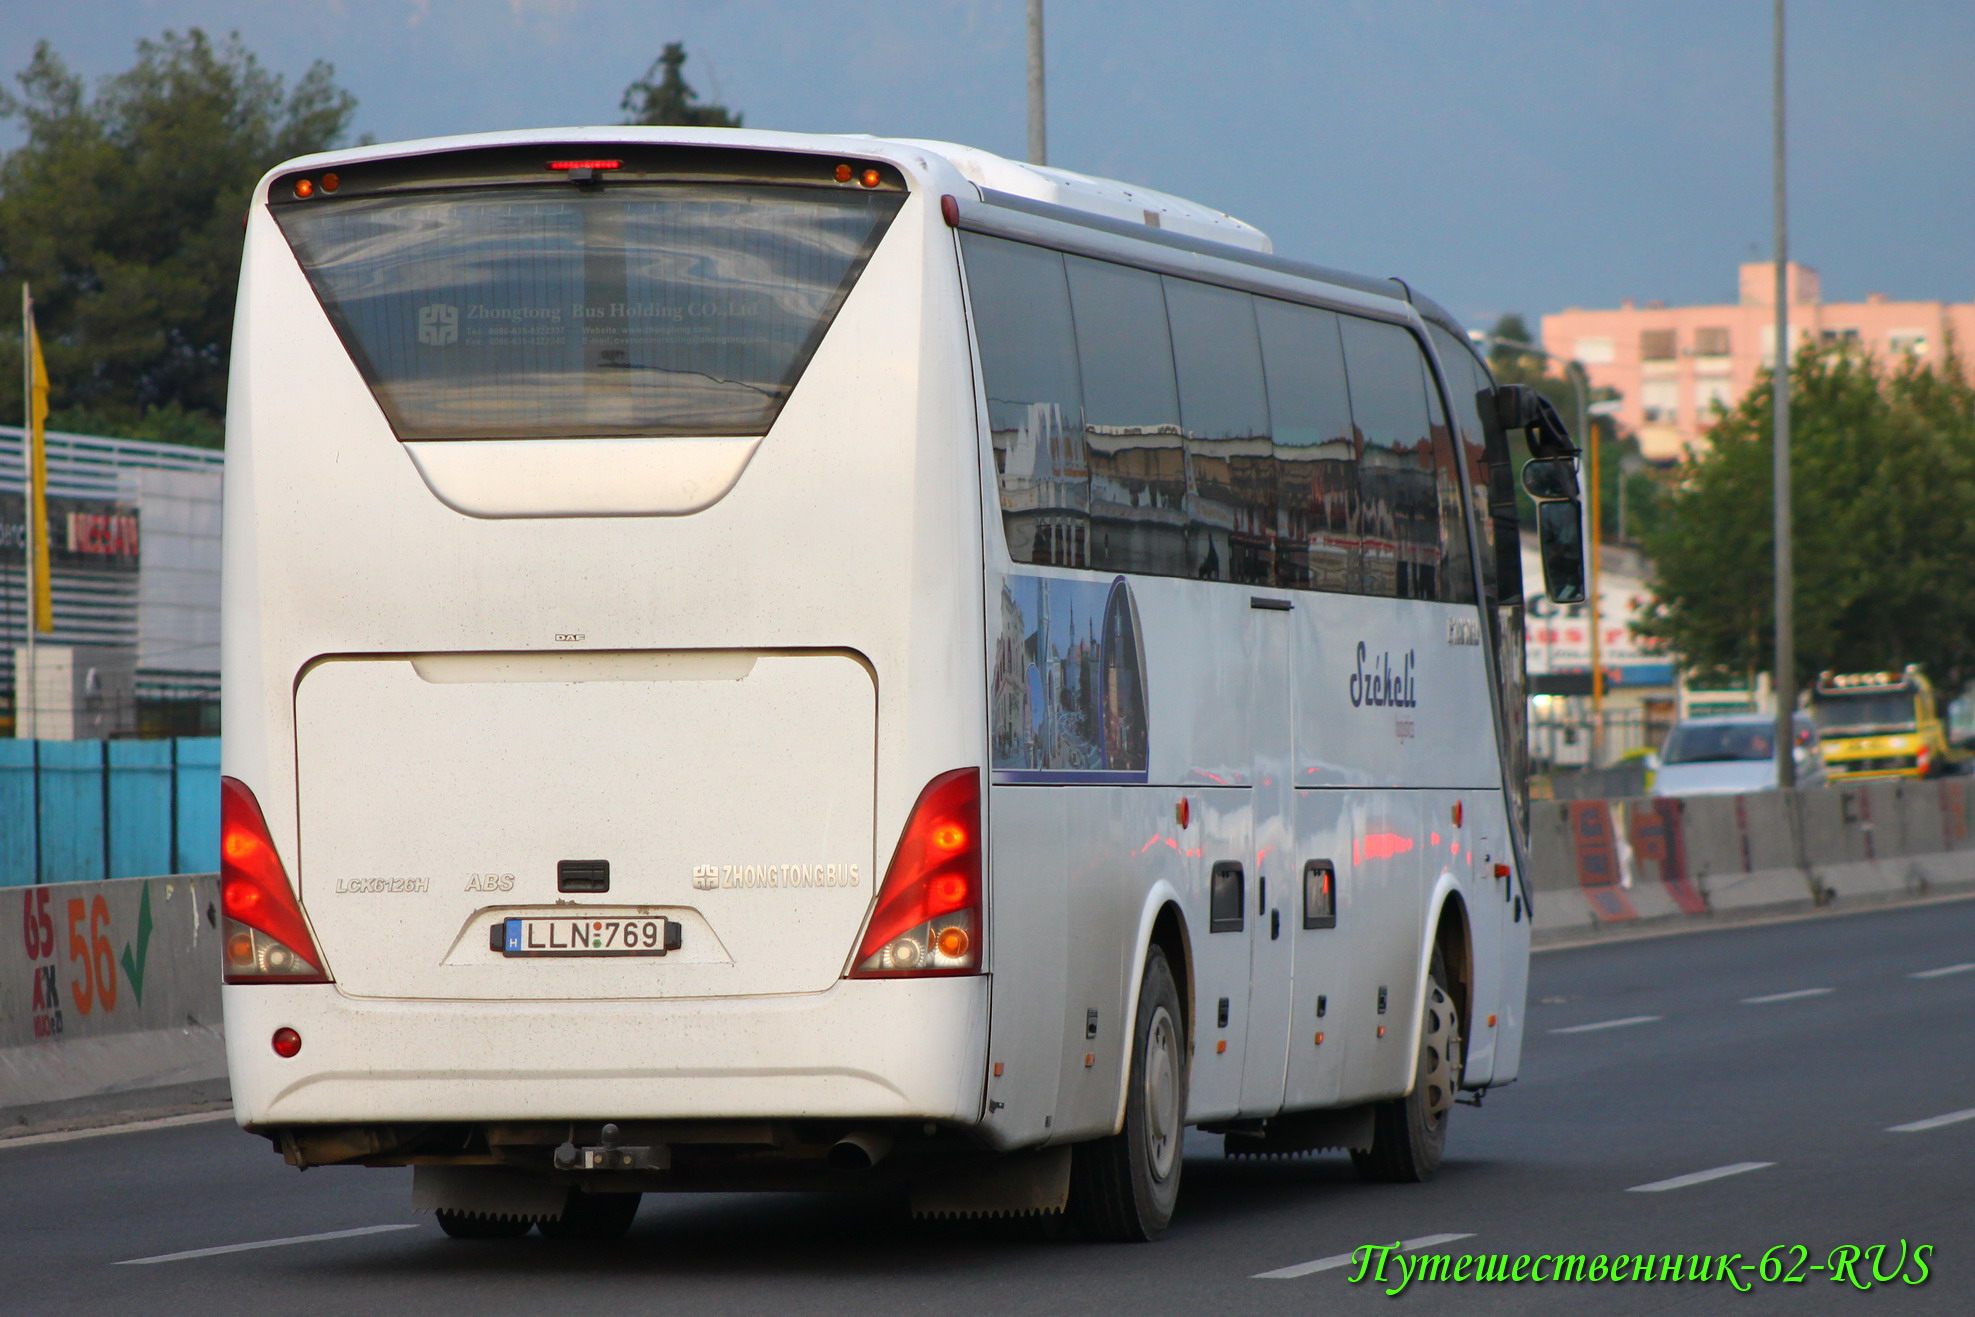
133,967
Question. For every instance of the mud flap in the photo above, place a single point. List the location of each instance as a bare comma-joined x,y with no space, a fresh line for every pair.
1018,1184
486,1191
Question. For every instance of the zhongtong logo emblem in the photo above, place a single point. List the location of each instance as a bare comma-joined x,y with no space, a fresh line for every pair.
438,324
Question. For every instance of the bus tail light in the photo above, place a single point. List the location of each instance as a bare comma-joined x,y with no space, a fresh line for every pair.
928,915
265,938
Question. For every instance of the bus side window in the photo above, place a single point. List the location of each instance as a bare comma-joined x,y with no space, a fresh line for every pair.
1224,409
1317,545
1138,486
1399,474
1456,562
1028,349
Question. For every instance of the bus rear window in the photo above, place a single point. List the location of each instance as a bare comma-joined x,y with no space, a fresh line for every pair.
561,312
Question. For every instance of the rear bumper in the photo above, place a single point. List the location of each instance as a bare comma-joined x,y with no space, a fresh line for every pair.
876,1049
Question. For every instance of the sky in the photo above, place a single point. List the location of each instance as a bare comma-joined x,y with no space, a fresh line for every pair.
1500,155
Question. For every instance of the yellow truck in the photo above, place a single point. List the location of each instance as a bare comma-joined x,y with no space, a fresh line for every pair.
1881,724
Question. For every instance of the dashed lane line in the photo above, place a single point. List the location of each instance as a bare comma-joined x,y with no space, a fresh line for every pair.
1932,1122
1798,995
130,1127
1610,1024
266,1243
1345,1259
1943,971
1697,1177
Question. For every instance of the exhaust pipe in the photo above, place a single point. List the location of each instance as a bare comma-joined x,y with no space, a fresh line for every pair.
858,1151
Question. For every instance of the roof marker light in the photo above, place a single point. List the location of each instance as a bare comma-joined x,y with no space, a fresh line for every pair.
304,188
870,178
330,182
844,173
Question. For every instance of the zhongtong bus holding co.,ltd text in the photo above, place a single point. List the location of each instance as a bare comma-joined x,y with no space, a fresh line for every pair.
768,661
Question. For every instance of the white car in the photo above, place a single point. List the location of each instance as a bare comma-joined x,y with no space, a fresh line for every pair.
1731,754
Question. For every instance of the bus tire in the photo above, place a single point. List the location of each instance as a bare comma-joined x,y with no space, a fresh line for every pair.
463,1225
594,1217
1123,1188
1409,1134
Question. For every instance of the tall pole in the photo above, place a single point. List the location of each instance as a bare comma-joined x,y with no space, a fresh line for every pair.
1786,638
1589,439
1038,124
27,693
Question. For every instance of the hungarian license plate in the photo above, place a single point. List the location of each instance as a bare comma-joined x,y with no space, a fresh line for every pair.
609,935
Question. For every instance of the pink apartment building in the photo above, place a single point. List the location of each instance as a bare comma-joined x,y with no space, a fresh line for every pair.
1670,364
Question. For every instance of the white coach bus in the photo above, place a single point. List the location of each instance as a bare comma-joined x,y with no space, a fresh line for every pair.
768,661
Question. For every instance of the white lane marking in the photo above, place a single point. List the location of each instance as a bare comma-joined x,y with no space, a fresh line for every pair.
1345,1259
1786,996
1697,1177
1943,971
134,1127
265,1243
1932,1122
1610,1024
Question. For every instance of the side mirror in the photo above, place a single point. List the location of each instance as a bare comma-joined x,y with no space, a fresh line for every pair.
1552,482
1519,407
1560,544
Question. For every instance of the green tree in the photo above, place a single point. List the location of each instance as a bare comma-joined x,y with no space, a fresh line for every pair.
123,211
1882,464
671,101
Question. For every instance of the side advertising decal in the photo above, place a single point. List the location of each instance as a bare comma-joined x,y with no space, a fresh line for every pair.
1068,700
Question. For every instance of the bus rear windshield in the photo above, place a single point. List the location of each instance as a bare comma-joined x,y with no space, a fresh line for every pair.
1890,711
628,310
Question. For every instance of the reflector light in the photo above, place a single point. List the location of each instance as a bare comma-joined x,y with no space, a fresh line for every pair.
928,911
304,188
265,937
586,164
286,1042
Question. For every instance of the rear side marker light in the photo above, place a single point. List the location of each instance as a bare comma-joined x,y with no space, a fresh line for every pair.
264,936
949,209
287,1042
927,919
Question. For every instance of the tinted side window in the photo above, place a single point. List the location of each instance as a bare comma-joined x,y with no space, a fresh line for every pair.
1138,500
1224,410
1491,478
1316,457
1028,352
1398,494
1456,573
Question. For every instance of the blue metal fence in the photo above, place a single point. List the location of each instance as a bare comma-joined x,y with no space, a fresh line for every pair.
72,811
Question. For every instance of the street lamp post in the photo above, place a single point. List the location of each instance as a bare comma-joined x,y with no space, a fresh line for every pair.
1038,123
1786,637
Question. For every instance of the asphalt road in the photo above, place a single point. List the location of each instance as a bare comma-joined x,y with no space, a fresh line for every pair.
1797,1047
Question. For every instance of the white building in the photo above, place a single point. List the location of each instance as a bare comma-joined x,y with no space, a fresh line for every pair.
107,497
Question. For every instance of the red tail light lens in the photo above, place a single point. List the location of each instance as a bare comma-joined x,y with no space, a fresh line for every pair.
264,937
928,916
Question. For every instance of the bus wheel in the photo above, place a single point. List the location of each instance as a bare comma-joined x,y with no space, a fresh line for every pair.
461,1225
594,1216
1410,1133
1124,1187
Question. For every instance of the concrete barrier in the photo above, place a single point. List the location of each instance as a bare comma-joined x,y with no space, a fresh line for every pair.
109,996
1607,866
